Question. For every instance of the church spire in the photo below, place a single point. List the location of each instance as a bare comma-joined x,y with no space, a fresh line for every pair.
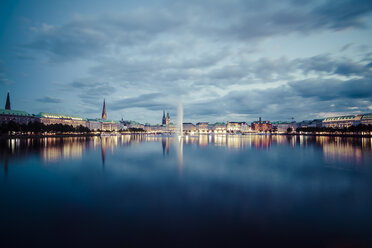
104,115
163,121
7,104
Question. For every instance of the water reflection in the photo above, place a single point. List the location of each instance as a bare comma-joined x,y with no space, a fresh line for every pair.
166,145
179,145
103,151
346,153
161,187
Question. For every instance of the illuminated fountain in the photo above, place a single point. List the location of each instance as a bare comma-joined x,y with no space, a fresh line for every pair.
180,119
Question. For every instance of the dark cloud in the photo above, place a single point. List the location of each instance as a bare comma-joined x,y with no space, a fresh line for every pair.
342,14
328,89
346,47
214,21
91,91
4,80
48,99
149,101
208,54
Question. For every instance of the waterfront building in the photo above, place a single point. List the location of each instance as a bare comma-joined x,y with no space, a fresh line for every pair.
237,127
310,123
18,116
261,126
219,127
202,127
52,118
189,128
94,124
103,124
156,128
108,125
282,126
366,119
342,121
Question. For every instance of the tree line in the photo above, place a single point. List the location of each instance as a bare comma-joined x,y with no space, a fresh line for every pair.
37,127
352,129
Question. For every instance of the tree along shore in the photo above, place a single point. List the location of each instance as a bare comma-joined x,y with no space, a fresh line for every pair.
37,129
352,130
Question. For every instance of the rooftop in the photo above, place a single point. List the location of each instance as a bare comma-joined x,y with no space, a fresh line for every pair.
340,118
281,122
59,116
14,112
367,116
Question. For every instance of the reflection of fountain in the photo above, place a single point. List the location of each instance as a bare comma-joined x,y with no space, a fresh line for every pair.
180,119
180,154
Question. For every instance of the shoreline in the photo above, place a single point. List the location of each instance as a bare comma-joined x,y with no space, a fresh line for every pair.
33,136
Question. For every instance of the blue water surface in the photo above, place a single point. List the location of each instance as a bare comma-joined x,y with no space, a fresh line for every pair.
154,191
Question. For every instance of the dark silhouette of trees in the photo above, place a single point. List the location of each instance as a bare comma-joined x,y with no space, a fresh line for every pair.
37,127
352,129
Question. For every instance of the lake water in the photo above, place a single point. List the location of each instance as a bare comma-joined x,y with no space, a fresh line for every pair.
148,191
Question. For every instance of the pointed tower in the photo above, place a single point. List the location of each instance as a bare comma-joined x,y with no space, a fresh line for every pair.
7,104
104,115
167,120
163,121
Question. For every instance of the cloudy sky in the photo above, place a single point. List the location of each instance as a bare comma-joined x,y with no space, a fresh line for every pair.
224,59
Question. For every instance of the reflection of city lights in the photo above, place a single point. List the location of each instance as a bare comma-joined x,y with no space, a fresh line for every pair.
220,140
337,151
54,149
203,140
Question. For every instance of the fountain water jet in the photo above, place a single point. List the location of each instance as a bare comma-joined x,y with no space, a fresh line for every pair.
180,119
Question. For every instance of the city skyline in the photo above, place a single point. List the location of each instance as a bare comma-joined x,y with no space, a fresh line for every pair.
226,60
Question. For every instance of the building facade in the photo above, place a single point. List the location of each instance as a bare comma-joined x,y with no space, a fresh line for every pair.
237,127
189,128
282,126
202,127
52,118
20,117
219,128
366,119
342,121
261,126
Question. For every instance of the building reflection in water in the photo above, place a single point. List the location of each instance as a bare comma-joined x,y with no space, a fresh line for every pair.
219,140
165,144
341,153
103,151
55,149
203,140
337,151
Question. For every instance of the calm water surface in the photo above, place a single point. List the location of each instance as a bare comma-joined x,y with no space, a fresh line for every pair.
231,191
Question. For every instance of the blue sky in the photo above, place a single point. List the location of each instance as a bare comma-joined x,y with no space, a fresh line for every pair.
226,59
